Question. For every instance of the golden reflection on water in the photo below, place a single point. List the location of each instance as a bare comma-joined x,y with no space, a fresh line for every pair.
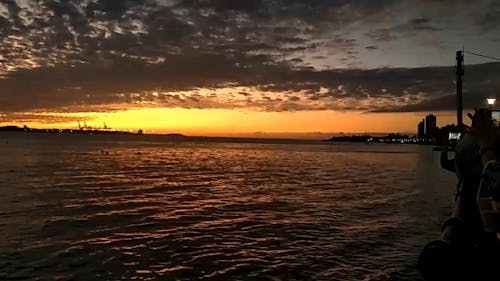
156,208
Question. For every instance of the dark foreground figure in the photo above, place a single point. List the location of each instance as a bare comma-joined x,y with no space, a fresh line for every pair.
469,246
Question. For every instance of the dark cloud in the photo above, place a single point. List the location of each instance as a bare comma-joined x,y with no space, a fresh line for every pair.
76,29
117,81
488,18
94,54
479,85
409,28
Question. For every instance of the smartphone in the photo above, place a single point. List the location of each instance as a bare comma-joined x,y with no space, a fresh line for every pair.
454,136
495,115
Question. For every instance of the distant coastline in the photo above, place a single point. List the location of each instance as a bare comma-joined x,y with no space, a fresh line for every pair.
390,138
76,131
393,138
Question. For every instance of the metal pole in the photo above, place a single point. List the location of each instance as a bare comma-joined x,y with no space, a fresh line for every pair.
460,75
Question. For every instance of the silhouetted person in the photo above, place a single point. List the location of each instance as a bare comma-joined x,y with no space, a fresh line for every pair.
457,255
488,139
468,162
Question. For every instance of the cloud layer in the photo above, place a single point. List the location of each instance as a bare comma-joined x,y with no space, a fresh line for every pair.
277,55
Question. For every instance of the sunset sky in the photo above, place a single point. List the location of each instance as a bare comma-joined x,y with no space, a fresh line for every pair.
238,67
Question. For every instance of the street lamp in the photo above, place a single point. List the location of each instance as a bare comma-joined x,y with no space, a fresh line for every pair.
491,102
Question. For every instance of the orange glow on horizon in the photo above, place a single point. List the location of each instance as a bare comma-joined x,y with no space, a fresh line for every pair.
225,122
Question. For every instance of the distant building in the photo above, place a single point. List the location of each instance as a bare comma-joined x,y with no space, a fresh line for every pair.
421,130
430,126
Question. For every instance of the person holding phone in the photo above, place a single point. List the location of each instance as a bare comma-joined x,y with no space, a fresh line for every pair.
467,152
467,162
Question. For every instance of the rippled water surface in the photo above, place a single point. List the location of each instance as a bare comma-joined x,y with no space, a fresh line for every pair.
150,208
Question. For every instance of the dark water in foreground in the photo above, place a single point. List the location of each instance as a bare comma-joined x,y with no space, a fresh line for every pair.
154,209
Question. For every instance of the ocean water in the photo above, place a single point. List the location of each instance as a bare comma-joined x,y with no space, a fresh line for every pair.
157,208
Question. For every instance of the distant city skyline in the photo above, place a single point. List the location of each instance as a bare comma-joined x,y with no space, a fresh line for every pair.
427,127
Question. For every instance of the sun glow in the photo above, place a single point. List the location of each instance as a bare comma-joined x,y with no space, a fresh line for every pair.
226,122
